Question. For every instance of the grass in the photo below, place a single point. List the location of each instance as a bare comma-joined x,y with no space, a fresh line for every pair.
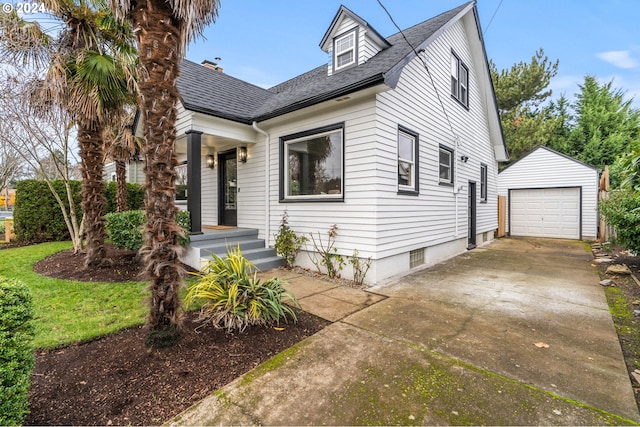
68,311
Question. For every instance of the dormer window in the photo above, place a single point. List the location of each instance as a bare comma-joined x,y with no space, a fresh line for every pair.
344,50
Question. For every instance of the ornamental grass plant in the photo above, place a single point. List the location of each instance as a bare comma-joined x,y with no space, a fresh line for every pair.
233,297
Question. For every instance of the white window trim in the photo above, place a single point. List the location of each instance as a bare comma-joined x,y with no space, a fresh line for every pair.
354,34
450,165
286,169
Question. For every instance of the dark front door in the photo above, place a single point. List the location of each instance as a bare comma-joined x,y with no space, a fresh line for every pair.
472,216
228,190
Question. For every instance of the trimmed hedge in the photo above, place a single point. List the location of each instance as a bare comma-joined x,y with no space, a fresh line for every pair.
37,216
125,229
16,350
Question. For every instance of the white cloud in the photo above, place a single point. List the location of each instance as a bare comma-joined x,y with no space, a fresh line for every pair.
618,58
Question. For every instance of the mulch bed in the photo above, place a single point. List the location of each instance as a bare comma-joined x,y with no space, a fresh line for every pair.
116,380
629,343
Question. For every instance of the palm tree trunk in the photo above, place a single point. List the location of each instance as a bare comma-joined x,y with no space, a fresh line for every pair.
121,185
93,200
158,36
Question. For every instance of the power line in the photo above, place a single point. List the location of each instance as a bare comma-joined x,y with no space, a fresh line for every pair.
492,16
424,64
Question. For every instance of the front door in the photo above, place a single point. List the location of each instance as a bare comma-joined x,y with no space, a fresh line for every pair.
228,190
472,216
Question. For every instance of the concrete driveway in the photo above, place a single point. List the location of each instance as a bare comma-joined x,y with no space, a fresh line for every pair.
516,333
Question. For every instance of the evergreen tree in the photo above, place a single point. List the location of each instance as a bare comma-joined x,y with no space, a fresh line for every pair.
522,93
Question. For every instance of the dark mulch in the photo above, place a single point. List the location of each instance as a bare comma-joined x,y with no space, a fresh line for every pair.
117,380
119,266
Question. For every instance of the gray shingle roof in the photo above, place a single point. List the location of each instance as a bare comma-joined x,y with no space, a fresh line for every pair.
208,91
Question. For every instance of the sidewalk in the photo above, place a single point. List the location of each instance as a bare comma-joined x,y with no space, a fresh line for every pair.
518,333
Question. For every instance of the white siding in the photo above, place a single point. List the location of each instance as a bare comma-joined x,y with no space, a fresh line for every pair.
409,222
544,168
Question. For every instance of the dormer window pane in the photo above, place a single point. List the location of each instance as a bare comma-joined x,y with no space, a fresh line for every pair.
344,48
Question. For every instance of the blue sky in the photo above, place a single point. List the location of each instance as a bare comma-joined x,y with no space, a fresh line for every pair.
268,42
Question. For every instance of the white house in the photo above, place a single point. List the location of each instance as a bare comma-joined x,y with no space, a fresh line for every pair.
550,194
396,140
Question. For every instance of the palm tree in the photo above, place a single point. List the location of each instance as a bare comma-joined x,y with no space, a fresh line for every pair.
89,74
163,28
122,147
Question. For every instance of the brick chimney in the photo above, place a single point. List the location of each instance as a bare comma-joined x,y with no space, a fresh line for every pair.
212,65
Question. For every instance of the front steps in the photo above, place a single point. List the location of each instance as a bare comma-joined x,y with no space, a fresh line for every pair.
217,242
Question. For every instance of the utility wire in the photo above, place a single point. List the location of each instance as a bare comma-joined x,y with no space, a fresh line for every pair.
492,16
424,64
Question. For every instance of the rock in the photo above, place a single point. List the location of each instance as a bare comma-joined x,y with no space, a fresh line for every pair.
636,313
606,282
618,269
636,376
602,260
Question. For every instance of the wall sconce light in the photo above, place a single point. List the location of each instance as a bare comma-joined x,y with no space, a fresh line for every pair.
464,159
211,161
242,154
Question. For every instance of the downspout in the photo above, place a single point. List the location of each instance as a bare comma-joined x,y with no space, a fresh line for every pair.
457,185
267,198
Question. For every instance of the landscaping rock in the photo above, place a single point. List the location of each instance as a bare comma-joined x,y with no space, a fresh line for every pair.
606,282
602,260
618,269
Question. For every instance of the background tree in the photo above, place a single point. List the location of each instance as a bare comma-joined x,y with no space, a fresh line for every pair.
522,93
88,75
9,167
163,29
606,125
43,137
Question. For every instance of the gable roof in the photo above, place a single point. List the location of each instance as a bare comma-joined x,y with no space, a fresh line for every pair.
344,11
210,92
551,150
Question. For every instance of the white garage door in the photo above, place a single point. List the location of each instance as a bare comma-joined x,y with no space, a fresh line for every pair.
548,212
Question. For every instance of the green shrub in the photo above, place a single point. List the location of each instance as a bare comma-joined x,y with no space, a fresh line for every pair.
37,215
135,196
39,218
3,226
125,229
622,211
288,243
234,298
16,350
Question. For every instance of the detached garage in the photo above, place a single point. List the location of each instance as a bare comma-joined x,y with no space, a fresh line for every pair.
550,194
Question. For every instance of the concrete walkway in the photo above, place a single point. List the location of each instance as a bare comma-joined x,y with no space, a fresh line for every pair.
517,333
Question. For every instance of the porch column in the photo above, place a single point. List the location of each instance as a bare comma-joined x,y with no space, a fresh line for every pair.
194,180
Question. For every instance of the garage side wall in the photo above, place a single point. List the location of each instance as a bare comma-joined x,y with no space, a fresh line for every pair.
545,168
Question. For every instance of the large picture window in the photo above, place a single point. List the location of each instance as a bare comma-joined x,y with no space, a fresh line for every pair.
407,160
312,165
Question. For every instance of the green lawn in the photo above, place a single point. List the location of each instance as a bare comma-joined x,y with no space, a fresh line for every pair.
68,311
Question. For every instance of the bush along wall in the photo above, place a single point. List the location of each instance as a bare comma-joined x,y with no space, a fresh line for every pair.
16,350
37,216
125,229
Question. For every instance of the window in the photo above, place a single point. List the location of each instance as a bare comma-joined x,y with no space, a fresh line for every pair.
446,165
312,164
407,160
344,50
459,80
483,183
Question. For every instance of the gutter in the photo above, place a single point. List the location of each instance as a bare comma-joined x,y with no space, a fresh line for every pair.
267,198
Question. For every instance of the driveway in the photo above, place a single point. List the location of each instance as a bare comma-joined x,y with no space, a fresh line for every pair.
516,333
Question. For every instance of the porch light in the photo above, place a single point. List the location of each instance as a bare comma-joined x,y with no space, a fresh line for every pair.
242,154
211,161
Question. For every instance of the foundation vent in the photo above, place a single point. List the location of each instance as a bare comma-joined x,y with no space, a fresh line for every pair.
416,258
